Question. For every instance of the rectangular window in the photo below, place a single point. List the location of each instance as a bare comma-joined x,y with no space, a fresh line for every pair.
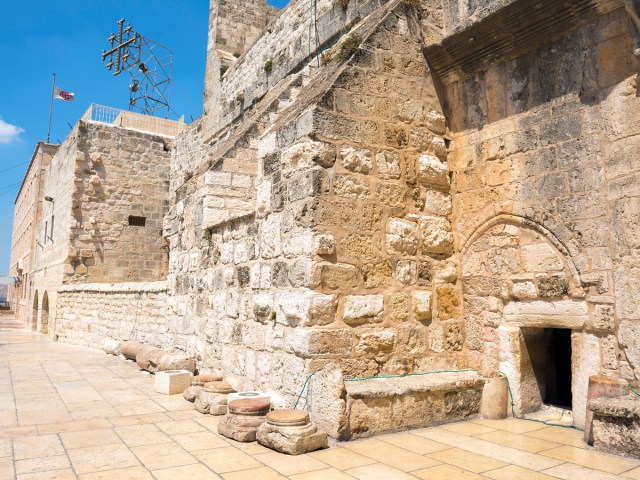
46,229
137,221
52,220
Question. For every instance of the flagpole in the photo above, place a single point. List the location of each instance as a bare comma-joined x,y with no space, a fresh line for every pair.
53,91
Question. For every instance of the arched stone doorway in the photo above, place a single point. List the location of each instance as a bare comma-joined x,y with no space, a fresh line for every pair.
44,317
525,316
34,312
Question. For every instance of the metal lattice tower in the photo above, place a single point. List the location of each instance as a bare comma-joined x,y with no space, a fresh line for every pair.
150,67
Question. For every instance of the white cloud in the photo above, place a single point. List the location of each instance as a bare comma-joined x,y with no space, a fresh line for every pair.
8,132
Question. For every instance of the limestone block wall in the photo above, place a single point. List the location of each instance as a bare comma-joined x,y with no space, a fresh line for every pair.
27,211
90,313
118,173
286,44
542,152
240,23
379,209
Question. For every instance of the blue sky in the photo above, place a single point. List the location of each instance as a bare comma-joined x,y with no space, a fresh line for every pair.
41,37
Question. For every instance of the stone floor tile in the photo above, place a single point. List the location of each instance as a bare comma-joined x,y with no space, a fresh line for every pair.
138,435
139,419
467,460
172,403
6,468
179,427
192,442
224,460
89,438
468,429
184,414
41,464
512,425
92,405
523,459
413,442
570,471
447,472
378,471
73,394
508,439
142,407
565,436
15,432
592,459
326,474
163,455
101,458
5,448
40,446
262,473
81,425
390,455
511,472
55,415
189,472
290,464
36,405
130,473
93,414
251,448
342,458
209,422
66,474
634,474
123,397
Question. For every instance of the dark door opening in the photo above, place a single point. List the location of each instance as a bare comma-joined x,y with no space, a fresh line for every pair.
557,372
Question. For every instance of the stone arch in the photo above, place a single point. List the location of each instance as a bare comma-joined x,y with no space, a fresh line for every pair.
517,213
519,283
44,316
34,312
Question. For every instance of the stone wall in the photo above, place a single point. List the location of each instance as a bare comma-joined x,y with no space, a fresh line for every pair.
542,155
27,211
240,23
89,314
286,44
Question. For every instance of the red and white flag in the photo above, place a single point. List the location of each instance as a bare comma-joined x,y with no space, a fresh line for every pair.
59,94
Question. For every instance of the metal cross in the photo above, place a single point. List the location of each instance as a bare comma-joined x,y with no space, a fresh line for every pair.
120,47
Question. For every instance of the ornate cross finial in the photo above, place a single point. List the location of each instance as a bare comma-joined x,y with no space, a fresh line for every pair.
121,46
633,8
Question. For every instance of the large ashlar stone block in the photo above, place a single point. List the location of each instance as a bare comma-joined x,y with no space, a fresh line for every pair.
432,171
436,234
402,237
601,387
355,160
362,309
306,155
314,342
541,257
291,432
495,399
616,425
421,301
551,314
172,382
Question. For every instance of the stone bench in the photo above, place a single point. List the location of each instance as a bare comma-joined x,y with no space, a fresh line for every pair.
348,409
616,425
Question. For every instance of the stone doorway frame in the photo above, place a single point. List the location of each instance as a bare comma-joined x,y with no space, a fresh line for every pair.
34,312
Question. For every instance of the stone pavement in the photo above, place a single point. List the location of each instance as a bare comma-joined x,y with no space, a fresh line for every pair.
69,412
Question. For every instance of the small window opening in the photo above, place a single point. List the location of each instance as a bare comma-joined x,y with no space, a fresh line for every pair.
46,229
137,221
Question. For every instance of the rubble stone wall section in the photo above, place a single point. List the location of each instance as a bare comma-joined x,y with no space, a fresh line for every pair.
240,23
91,313
549,140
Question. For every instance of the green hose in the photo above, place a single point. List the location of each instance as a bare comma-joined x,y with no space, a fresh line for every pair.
633,390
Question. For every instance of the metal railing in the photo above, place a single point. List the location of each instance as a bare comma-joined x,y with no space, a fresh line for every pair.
101,113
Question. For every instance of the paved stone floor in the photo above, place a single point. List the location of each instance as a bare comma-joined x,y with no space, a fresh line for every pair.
68,412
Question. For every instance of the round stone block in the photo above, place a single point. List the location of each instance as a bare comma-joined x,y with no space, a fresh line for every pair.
249,406
218,387
200,380
130,349
288,418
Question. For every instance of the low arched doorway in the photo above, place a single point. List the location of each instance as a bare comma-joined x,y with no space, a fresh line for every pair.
34,312
44,317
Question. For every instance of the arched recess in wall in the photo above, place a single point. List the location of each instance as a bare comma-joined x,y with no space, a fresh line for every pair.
34,312
522,215
44,318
